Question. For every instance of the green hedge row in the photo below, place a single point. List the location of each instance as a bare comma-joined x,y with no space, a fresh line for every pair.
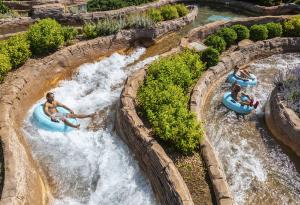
42,37
164,97
105,5
227,36
147,19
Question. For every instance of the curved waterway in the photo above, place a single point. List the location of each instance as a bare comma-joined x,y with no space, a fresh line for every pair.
91,165
258,168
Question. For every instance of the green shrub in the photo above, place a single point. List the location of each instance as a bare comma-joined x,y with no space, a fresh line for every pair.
69,33
3,8
45,36
5,65
258,32
108,26
18,50
155,15
182,10
215,42
210,56
269,2
229,35
164,100
89,30
274,30
241,31
169,12
297,2
104,5
139,21
291,28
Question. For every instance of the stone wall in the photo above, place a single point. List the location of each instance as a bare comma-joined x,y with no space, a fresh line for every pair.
283,122
206,83
166,181
14,25
23,183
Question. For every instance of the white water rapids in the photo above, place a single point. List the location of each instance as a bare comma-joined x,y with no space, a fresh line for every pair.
91,165
259,170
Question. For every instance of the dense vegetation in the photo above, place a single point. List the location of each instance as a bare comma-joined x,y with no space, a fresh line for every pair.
3,8
164,100
43,37
105,5
147,19
228,36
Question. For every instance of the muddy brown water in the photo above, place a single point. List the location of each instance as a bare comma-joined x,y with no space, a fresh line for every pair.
258,168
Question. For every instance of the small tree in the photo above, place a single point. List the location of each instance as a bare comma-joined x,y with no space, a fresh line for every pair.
45,36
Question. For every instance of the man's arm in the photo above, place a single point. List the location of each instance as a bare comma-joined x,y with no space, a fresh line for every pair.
244,94
64,106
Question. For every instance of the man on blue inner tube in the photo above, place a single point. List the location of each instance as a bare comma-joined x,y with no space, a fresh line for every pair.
242,72
242,98
50,110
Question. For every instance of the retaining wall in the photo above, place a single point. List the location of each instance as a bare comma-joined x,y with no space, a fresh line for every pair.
283,122
23,182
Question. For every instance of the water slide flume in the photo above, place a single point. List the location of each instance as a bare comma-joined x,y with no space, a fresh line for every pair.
43,121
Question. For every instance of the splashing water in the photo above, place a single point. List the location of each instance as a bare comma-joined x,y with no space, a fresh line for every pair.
91,165
258,169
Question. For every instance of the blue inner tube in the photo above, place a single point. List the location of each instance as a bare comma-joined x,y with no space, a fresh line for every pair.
231,104
43,121
244,83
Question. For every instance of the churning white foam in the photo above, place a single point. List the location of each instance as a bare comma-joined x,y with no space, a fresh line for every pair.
91,165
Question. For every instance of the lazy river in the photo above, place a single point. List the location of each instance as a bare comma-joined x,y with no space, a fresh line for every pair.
91,165
258,168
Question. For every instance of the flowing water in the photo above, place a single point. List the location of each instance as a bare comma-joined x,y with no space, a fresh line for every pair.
91,165
258,168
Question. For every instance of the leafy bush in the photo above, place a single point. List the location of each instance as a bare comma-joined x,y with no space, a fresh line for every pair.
155,15
210,56
108,26
291,27
5,65
182,10
89,30
17,49
241,31
169,12
104,5
3,8
274,30
139,21
269,2
229,35
215,42
69,33
297,2
45,36
258,32
164,99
